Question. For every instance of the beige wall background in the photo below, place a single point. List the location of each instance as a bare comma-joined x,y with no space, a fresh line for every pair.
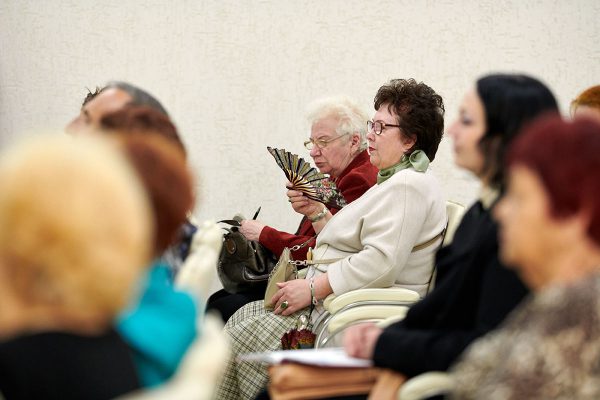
236,75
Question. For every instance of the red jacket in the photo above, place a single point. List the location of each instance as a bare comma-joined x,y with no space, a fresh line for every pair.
356,179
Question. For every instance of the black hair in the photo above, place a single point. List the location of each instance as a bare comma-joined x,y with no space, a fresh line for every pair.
510,102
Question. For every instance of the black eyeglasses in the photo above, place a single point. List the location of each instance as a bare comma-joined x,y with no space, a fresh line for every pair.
378,126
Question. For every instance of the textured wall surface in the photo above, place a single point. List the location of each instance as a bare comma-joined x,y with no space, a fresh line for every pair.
236,75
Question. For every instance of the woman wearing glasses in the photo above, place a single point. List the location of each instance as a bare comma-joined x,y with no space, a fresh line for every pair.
385,238
473,291
337,146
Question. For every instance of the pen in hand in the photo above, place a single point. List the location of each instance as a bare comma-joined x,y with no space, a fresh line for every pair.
256,213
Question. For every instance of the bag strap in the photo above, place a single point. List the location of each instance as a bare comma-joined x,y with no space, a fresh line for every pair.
315,262
302,245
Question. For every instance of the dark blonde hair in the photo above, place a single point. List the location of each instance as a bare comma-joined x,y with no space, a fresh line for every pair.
75,225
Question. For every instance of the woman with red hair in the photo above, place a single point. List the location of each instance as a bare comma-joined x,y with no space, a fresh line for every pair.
549,348
161,325
587,103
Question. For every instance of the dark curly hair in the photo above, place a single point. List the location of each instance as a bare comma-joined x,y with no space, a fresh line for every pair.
419,110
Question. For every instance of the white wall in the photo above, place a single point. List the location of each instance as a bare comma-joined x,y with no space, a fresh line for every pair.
237,75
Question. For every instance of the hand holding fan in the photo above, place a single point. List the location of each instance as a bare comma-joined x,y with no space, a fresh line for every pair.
307,179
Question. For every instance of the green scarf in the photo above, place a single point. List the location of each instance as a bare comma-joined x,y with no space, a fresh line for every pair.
417,159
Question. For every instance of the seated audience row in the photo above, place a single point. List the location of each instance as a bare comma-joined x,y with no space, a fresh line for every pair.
83,318
386,237
473,291
550,232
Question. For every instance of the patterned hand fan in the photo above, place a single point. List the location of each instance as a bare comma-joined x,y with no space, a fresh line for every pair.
307,179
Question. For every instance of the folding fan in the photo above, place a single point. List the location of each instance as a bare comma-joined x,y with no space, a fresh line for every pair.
307,179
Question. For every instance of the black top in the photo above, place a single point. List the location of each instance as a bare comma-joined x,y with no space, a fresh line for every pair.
473,293
66,366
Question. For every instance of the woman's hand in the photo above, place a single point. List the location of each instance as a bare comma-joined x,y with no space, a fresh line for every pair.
297,294
251,229
360,340
302,204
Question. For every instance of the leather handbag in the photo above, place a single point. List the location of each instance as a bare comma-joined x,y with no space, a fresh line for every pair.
243,264
284,271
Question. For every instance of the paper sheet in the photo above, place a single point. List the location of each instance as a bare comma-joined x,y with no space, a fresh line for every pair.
329,357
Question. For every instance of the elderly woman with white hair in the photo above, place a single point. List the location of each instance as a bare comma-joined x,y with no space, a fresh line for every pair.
385,238
337,146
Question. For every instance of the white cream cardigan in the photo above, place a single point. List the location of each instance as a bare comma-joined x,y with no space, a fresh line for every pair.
375,235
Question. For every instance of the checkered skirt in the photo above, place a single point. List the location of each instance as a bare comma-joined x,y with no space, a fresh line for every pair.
252,329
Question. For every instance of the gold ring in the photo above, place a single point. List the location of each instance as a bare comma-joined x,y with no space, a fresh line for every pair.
284,305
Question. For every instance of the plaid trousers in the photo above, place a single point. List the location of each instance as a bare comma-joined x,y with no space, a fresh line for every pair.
252,329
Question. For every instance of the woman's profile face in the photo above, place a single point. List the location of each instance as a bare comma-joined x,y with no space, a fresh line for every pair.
467,131
528,234
337,154
387,148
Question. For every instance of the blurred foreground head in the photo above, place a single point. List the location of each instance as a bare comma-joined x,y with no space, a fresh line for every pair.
75,231
112,97
141,120
152,145
167,180
587,103
550,216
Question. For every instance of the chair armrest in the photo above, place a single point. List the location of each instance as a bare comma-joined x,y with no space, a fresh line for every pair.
390,321
455,213
327,301
364,313
392,294
426,385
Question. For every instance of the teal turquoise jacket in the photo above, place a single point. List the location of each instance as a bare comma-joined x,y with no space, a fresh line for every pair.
160,327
